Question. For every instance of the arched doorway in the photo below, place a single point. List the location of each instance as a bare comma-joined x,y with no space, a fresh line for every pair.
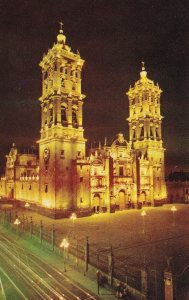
96,203
121,199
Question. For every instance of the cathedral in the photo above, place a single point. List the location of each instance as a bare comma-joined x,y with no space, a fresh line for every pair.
64,177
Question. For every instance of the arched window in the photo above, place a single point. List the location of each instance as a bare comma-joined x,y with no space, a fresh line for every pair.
45,75
45,115
63,115
74,118
142,132
157,133
50,115
134,134
151,133
55,66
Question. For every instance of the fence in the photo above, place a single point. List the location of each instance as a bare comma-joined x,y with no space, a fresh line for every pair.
83,255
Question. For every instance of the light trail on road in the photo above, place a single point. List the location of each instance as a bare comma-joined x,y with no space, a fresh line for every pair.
44,280
31,279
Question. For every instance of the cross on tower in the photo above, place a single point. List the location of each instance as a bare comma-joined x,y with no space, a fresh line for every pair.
61,25
143,65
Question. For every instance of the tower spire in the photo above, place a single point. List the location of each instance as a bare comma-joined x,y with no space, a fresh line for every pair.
143,73
60,37
61,25
143,65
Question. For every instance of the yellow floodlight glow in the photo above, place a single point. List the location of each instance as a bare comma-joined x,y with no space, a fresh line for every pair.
47,203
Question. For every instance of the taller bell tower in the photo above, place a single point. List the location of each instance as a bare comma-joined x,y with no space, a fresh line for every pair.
62,142
145,121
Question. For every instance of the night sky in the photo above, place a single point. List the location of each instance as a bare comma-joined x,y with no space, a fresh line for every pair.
113,36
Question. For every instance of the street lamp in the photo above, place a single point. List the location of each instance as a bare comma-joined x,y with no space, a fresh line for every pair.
73,217
64,244
143,214
173,209
17,223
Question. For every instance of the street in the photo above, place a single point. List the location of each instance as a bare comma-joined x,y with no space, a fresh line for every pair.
25,276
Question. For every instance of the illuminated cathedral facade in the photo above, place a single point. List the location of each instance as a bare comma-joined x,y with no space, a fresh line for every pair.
64,177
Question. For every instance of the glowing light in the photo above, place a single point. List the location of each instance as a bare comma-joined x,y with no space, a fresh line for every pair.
73,216
143,213
47,203
27,205
173,208
17,221
64,244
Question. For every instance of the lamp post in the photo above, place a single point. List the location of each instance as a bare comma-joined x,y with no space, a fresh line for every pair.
143,214
17,223
64,244
173,209
73,217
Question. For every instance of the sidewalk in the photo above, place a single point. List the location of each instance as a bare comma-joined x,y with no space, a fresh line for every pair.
54,259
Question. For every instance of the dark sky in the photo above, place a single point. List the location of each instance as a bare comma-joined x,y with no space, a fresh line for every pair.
113,36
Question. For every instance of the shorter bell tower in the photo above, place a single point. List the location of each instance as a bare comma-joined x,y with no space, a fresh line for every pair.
145,122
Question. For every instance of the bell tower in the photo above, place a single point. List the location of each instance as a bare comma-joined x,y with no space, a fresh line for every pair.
145,121
61,141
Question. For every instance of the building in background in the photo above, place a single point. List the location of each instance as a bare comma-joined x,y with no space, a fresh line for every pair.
178,187
65,177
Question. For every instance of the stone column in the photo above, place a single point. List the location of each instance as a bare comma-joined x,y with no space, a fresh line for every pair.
58,111
80,115
55,110
42,116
